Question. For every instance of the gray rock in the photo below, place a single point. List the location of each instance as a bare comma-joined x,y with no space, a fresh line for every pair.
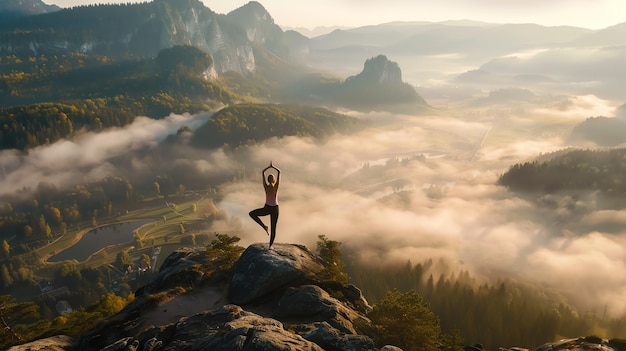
309,303
356,297
125,344
177,270
330,338
281,286
591,343
153,345
54,343
223,329
260,272
390,348
475,347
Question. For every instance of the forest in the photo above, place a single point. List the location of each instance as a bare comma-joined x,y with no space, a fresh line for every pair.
501,314
49,98
575,170
245,123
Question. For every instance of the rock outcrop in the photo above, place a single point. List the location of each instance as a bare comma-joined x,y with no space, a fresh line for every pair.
54,343
260,271
591,343
378,69
380,84
268,300
282,304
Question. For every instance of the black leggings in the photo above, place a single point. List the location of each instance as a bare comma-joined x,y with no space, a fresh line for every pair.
272,211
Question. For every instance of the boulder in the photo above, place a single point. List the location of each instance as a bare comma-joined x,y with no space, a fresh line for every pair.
125,344
331,339
54,343
475,347
223,329
357,299
260,272
390,348
179,270
309,303
591,343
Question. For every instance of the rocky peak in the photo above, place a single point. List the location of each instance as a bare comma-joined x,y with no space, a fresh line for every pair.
259,26
268,300
380,86
259,270
253,11
380,69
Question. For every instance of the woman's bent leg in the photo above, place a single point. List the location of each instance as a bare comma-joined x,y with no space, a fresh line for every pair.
255,214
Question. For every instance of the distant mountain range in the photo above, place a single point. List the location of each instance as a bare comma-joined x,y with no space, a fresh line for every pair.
12,9
145,28
247,44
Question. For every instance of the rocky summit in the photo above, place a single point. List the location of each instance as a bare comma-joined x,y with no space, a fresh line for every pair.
269,300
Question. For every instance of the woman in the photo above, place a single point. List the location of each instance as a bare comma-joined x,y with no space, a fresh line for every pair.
271,203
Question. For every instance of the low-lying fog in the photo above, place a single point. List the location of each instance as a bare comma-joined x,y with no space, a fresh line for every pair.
440,201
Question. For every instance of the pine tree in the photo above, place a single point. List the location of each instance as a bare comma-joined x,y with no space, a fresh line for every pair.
405,320
6,249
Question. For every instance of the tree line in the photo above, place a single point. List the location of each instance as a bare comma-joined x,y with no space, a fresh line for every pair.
243,123
601,170
499,314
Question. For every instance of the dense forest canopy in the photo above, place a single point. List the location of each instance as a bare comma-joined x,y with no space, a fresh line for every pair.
601,170
51,98
243,123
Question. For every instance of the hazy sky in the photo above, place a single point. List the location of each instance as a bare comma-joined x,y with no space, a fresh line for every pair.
593,14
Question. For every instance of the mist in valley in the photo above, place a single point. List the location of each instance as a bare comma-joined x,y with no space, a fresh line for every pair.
408,188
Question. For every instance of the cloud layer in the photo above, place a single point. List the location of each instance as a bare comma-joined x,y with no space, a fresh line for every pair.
448,207
385,204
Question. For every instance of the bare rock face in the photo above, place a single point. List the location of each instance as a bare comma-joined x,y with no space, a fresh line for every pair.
260,272
183,268
54,343
330,338
310,303
222,329
592,343
379,69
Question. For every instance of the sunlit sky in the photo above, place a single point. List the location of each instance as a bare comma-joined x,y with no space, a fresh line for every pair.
593,14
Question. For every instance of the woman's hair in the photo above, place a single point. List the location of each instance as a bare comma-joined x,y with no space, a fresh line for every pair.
270,178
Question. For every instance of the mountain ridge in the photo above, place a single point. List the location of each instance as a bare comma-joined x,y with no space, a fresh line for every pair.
14,9
133,30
